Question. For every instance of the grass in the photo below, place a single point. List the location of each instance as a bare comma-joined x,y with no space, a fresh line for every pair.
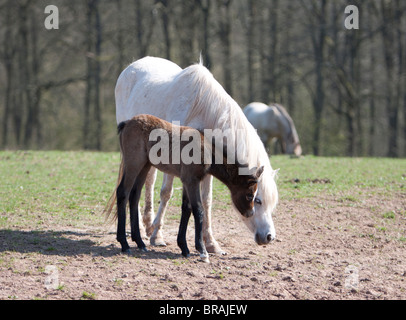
88,296
40,189
309,176
62,187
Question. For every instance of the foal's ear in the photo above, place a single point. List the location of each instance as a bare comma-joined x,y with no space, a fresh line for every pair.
259,172
252,181
253,178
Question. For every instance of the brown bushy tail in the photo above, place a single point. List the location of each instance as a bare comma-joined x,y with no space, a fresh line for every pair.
121,126
113,198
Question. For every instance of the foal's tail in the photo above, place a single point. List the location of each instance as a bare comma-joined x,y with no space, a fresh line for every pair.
113,198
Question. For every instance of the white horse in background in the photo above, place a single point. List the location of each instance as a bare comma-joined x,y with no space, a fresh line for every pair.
272,122
192,97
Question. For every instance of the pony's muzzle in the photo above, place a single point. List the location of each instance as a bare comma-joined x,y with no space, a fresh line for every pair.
264,239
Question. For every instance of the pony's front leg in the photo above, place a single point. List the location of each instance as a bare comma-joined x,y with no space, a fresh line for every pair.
156,229
149,214
121,217
212,245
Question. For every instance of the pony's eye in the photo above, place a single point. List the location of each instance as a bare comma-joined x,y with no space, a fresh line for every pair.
258,201
249,197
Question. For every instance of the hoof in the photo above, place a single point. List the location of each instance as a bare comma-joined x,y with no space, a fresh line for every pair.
157,242
204,258
157,239
186,253
215,248
143,249
126,251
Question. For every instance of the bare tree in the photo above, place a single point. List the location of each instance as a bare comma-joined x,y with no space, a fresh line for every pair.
205,6
92,134
165,17
316,12
390,19
8,50
224,8
144,26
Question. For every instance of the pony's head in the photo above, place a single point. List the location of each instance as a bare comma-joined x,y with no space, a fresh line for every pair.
243,192
292,147
256,202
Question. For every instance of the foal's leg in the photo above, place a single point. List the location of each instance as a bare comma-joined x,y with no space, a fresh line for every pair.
123,194
193,192
211,244
186,212
148,216
121,216
156,229
134,209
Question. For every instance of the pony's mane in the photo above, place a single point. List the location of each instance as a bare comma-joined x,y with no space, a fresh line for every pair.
219,110
213,104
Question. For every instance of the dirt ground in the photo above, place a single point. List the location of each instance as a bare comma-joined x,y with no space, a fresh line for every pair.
325,249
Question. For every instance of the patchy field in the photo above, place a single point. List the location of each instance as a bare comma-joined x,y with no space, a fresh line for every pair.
341,234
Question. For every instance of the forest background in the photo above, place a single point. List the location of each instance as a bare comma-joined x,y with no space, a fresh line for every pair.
344,88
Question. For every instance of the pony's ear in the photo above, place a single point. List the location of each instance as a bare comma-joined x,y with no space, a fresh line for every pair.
275,174
259,172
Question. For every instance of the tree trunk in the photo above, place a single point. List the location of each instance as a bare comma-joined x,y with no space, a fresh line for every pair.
372,105
319,47
224,7
8,54
165,27
92,129
120,38
89,76
186,31
33,92
290,63
97,78
144,31
272,83
250,47
22,106
205,8
389,51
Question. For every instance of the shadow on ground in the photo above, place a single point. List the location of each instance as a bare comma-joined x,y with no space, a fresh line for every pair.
70,243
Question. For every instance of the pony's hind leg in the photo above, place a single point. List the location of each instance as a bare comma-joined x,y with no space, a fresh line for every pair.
124,191
121,216
166,193
134,209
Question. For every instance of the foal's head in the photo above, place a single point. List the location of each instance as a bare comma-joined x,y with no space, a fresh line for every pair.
244,190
